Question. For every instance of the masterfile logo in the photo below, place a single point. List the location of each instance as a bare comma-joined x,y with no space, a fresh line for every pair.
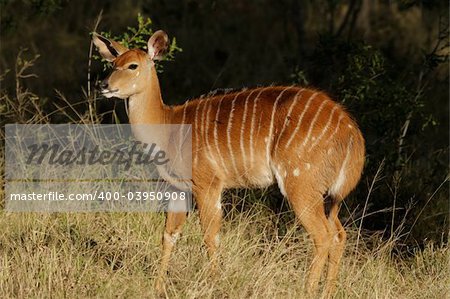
98,168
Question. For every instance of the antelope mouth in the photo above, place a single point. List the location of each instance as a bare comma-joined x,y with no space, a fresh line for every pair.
109,93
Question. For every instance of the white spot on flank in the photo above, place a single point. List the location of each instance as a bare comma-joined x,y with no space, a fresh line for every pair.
296,172
134,86
350,126
308,166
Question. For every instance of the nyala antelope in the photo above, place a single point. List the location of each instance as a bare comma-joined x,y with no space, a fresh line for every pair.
297,137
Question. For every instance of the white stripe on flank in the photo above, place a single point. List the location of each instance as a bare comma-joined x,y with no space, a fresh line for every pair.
341,116
288,117
230,124
241,139
327,126
301,118
259,130
216,138
253,126
279,179
184,112
202,127
269,141
202,119
182,132
336,187
196,132
208,146
313,122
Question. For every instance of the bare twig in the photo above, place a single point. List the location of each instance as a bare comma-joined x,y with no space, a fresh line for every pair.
372,185
21,105
91,47
344,23
447,178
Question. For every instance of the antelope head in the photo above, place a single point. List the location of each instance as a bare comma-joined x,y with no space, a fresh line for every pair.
132,69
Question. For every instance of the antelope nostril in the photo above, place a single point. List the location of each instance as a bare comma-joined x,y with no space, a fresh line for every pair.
104,84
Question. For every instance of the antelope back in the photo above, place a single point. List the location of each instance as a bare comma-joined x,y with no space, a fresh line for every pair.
248,137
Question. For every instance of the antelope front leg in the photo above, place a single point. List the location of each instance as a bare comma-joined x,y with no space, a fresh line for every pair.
174,225
210,210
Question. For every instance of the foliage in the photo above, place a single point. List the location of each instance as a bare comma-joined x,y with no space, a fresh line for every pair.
136,38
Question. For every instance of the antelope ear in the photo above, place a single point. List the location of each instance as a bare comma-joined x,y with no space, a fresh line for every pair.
157,45
109,49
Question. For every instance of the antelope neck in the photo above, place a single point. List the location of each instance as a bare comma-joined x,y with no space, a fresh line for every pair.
147,106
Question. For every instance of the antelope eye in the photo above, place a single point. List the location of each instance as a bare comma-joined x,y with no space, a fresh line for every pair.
132,66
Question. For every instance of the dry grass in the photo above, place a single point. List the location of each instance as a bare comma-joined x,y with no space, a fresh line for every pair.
116,255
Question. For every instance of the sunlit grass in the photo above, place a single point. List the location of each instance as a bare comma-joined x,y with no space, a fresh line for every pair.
117,254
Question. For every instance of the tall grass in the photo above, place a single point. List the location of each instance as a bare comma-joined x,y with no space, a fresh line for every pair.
103,255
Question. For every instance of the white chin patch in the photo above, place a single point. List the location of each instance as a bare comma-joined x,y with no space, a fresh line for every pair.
108,94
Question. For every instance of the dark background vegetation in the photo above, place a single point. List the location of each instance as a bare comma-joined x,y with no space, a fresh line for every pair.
387,61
